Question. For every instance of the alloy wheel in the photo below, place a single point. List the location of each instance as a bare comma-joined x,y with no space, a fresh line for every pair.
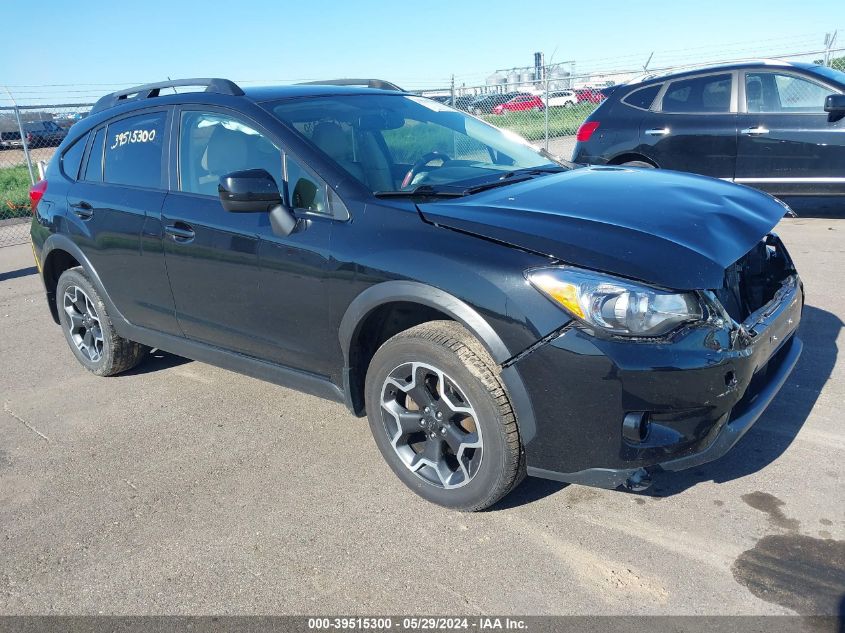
431,425
83,323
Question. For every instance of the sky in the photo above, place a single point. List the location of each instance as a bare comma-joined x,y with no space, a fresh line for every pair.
88,48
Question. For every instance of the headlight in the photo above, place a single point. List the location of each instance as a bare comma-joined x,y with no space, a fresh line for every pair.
615,305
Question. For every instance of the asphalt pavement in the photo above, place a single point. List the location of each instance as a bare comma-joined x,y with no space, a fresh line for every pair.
180,488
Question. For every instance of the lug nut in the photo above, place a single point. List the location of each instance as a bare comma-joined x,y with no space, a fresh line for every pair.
442,430
433,436
439,415
422,422
427,410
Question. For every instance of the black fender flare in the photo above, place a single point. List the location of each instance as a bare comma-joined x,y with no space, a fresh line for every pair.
59,241
460,311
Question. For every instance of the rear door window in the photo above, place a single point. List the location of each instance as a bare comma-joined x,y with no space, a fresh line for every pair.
707,94
134,149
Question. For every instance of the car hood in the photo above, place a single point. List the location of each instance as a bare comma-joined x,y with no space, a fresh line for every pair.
666,228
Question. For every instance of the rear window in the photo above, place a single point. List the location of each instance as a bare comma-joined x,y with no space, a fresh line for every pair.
72,158
710,93
133,151
642,97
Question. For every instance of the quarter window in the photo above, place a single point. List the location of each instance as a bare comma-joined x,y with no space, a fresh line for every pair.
711,93
133,150
779,92
643,98
212,145
94,166
304,190
72,158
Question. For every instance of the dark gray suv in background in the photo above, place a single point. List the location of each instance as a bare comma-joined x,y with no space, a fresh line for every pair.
777,126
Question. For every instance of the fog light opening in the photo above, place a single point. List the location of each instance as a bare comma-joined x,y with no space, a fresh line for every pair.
730,379
635,426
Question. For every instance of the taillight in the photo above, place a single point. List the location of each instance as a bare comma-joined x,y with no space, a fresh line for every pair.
586,130
37,192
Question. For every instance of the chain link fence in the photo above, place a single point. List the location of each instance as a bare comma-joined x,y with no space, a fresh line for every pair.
545,104
29,135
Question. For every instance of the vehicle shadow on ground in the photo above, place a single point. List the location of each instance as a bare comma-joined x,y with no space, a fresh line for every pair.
157,360
529,491
20,272
775,431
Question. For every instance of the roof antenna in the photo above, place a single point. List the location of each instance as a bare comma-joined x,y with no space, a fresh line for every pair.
172,87
648,61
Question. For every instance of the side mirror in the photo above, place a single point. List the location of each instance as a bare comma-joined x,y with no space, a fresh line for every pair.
835,104
248,191
255,191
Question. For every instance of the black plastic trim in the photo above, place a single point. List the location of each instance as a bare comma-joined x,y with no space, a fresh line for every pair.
306,382
147,91
416,292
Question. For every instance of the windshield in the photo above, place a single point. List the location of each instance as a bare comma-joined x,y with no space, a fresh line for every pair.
399,143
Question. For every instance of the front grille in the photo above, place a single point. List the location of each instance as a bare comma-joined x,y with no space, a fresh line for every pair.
752,281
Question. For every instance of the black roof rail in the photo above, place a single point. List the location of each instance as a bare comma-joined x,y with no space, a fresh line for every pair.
219,86
380,84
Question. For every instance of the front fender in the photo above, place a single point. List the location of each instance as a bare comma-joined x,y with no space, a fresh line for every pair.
416,292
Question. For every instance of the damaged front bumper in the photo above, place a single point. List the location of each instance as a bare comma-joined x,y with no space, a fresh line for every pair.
691,398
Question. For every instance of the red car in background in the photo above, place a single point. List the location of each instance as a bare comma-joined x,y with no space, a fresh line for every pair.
520,103
590,95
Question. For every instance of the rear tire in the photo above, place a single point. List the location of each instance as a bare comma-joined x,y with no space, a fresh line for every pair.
459,446
88,328
638,163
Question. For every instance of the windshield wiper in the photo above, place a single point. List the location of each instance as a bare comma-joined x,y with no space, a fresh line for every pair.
513,177
508,178
420,191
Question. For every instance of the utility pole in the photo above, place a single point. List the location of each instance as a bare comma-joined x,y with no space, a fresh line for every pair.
829,40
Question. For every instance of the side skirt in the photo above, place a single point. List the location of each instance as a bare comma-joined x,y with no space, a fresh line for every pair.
306,382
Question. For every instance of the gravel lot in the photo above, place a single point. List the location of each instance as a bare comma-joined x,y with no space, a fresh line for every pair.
186,489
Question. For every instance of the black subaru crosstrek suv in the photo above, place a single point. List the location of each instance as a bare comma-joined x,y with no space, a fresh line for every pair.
776,126
494,312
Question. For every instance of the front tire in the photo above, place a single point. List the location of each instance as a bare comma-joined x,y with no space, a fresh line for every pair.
88,328
441,418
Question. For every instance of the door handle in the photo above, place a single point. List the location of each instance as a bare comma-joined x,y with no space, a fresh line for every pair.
658,131
180,232
82,210
754,131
